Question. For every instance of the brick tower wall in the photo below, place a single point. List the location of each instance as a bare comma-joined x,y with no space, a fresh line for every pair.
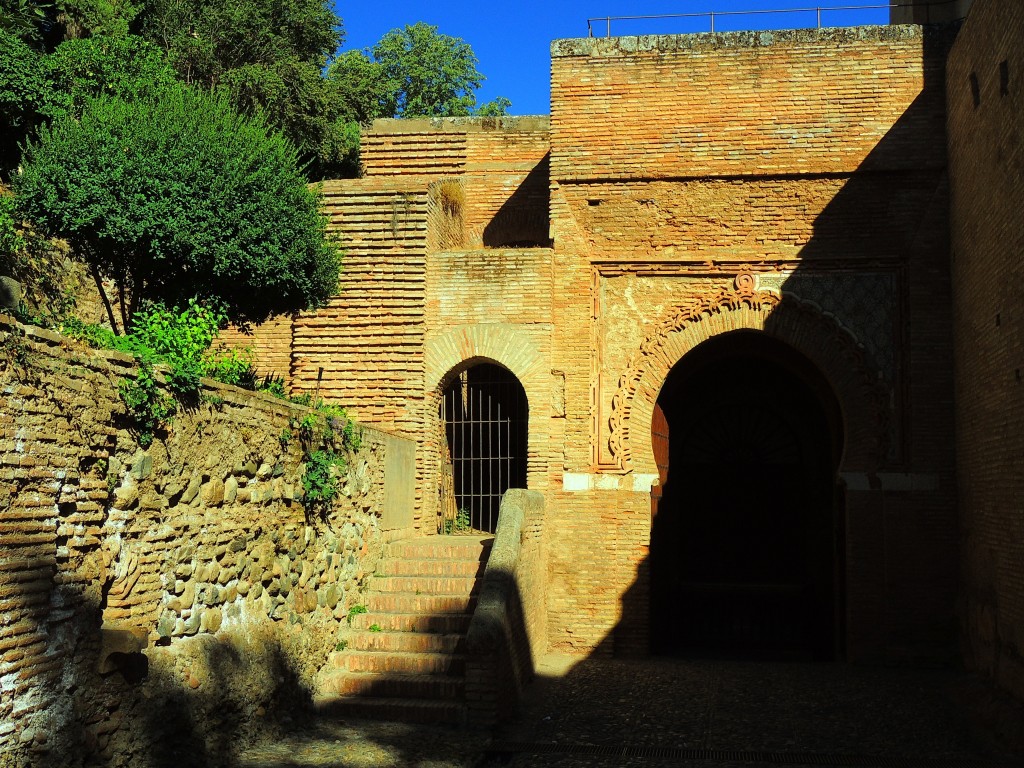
814,160
986,149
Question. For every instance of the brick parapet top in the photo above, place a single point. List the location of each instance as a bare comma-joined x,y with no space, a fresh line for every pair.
633,45
508,124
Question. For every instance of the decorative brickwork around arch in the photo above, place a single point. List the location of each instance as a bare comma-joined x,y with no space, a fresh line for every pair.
801,324
459,348
501,343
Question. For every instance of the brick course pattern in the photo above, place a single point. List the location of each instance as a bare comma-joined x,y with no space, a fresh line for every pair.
801,159
986,149
792,183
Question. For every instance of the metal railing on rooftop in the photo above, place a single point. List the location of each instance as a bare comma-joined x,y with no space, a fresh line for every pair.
818,11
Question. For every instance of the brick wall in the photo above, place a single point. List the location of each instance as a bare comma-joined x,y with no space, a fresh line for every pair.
814,161
430,186
986,149
681,208
271,345
695,105
196,549
502,161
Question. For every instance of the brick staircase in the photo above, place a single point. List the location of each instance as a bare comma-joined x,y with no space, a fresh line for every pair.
410,667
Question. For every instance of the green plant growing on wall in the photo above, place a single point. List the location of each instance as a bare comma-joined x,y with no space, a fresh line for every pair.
327,436
460,524
354,611
147,405
13,348
375,628
320,478
179,340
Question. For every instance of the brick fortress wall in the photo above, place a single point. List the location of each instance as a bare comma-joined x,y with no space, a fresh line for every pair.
671,186
814,162
986,150
429,187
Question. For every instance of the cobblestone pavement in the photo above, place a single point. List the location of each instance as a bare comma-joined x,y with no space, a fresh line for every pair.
707,714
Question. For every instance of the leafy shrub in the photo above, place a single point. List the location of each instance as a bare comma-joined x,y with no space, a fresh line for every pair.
272,385
180,339
320,478
327,435
146,403
460,524
232,366
173,195
11,240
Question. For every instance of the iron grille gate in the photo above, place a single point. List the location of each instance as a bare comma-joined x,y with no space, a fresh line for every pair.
484,414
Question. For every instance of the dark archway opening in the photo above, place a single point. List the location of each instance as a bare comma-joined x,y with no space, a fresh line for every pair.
485,416
746,555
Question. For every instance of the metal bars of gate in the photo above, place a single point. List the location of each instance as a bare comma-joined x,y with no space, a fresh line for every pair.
484,414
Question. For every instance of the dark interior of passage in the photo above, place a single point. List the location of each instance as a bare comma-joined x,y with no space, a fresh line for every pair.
745,551
485,417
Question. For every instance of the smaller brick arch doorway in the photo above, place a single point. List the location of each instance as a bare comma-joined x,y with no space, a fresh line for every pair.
484,414
746,551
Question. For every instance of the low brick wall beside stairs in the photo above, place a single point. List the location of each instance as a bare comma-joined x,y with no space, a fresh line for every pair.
508,631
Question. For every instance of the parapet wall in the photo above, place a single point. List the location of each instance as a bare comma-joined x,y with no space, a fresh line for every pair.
165,600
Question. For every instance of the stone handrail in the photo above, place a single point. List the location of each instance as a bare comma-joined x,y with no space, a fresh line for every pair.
507,628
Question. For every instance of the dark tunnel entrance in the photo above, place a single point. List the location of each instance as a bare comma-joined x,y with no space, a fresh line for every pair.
746,555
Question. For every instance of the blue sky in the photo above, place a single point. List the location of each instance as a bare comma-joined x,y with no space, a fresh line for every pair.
512,39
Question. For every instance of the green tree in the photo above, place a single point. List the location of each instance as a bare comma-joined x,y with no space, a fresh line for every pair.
25,19
24,94
44,25
426,74
268,55
125,66
175,195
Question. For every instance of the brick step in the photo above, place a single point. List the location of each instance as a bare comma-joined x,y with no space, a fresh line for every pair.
439,687
397,710
441,623
429,567
404,642
399,663
442,547
423,585
392,602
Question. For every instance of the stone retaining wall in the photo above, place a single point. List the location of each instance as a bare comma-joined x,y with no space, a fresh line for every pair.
159,603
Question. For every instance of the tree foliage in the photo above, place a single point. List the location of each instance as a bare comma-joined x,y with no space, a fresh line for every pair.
175,195
267,55
427,73
126,66
24,93
412,72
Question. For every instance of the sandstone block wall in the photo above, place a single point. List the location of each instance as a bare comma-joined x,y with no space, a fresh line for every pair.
163,601
986,153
